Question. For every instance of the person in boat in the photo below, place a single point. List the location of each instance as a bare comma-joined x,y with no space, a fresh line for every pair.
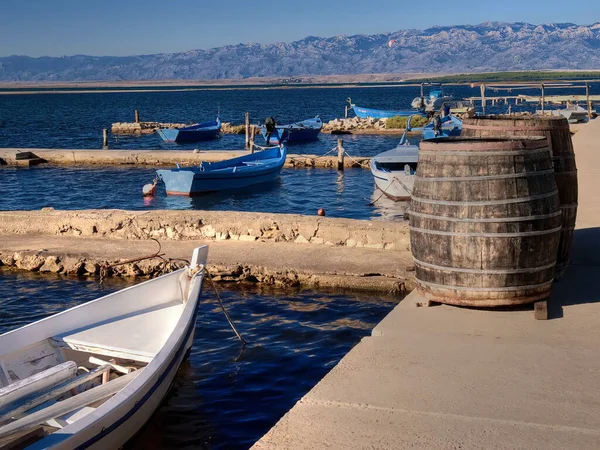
271,127
445,110
437,125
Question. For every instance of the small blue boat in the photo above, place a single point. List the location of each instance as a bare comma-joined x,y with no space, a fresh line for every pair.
366,113
235,173
450,126
305,130
193,133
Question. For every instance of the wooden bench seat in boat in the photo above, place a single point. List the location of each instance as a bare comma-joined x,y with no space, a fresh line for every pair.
138,336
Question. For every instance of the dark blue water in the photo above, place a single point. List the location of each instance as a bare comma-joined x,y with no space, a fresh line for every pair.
298,191
77,120
223,397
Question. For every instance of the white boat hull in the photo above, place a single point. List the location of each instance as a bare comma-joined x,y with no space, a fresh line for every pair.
170,318
395,185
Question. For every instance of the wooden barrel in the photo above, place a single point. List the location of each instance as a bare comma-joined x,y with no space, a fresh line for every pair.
485,221
556,130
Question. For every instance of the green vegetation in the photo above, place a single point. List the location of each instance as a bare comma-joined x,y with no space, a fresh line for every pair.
400,122
513,76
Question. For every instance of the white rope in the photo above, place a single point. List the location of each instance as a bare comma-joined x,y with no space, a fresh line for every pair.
265,148
357,162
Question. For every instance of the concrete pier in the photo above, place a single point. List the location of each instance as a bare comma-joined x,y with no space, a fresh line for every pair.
162,158
446,378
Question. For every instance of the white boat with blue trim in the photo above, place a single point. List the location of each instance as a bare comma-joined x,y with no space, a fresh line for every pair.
91,376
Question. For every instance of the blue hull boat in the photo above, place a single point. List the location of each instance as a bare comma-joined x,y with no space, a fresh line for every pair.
451,126
236,173
193,133
366,113
305,130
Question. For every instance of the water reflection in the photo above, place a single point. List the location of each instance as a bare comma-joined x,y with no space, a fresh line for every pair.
386,208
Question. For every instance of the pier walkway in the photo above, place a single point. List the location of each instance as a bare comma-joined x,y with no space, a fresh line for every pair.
454,378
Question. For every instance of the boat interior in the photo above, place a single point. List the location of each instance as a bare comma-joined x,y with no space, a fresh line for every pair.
58,370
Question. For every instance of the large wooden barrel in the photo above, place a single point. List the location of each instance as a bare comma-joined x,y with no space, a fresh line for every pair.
485,221
556,130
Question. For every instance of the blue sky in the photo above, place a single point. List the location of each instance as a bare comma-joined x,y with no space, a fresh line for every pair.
110,27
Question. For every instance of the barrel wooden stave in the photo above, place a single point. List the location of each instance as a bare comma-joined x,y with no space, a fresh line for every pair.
469,252
556,130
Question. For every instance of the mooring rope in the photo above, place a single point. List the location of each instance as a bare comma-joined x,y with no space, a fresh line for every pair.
223,307
357,162
388,186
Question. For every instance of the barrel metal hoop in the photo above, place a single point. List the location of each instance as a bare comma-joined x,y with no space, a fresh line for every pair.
484,271
485,289
570,172
487,220
487,203
485,235
468,126
569,206
490,153
566,229
488,177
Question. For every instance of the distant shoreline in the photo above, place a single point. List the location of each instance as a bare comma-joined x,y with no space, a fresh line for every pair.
300,82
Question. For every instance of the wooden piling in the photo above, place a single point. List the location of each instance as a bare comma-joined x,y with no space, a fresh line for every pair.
588,101
137,116
252,135
105,138
247,122
543,99
346,112
482,89
340,149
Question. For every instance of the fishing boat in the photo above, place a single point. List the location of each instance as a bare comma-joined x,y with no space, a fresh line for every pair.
91,376
305,130
449,125
193,133
235,173
573,113
369,113
394,170
433,101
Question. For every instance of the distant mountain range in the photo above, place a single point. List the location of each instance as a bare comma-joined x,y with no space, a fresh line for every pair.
490,46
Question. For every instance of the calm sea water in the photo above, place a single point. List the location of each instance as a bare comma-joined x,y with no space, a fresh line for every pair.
76,120
224,396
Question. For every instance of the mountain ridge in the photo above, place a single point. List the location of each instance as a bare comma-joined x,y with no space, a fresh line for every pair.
485,47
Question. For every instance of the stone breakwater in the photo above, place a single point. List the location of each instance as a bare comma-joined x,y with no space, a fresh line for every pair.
151,127
274,249
163,158
208,225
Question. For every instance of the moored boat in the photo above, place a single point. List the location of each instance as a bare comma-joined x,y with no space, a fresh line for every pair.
235,173
91,376
433,101
304,130
449,125
193,133
394,170
369,113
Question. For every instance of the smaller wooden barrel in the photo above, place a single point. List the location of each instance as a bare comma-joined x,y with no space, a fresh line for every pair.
485,221
556,130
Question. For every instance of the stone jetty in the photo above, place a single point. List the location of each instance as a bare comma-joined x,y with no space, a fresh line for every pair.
278,249
140,128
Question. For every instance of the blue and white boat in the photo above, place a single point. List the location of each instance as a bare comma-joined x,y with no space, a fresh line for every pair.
305,130
434,100
369,113
235,173
193,133
394,170
450,126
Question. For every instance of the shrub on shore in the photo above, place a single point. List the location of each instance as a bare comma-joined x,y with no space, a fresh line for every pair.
400,122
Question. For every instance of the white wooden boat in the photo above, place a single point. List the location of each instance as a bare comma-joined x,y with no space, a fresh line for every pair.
91,376
394,170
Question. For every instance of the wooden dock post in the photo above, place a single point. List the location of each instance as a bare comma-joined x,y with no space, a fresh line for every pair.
543,99
247,122
346,112
340,149
252,134
588,101
482,89
105,138
137,116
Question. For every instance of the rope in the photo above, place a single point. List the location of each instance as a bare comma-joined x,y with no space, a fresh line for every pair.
158,254
265,148
388,186
223,307
357,162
